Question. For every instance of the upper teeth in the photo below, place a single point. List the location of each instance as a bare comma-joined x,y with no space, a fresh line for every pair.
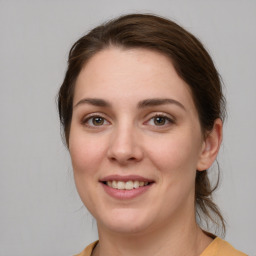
126,185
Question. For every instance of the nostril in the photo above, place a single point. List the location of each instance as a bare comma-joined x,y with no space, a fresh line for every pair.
123,160
132,158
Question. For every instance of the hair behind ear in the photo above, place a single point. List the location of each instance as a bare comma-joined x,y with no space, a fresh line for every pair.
203,189
206,209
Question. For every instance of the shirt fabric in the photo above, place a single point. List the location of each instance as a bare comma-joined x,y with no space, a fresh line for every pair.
217,247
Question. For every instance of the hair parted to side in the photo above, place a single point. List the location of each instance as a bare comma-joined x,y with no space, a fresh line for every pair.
191,62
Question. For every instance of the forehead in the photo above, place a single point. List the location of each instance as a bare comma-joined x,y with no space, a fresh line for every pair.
131,73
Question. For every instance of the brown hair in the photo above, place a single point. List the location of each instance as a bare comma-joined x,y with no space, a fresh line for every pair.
191,61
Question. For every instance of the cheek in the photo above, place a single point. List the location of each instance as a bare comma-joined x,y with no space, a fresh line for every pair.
176,153
86,153
176,160
86,156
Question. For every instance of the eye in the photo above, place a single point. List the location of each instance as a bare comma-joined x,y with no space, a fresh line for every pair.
94,121
160,120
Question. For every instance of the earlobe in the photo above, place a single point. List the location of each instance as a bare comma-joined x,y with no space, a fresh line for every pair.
211,146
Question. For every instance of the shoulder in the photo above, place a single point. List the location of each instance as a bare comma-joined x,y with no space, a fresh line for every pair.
88,250
220,247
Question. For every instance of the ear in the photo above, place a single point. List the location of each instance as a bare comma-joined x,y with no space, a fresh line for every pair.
211,146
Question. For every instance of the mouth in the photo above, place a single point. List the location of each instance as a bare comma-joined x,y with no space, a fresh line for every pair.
126,187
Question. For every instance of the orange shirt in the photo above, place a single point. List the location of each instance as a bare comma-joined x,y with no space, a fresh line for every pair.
217,247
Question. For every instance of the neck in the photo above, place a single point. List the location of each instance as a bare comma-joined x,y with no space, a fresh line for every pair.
175,238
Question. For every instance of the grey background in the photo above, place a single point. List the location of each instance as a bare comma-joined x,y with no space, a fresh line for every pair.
41,213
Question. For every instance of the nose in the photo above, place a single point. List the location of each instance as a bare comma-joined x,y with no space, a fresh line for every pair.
125,146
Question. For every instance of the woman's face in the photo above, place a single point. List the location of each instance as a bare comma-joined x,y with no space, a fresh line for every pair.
135,141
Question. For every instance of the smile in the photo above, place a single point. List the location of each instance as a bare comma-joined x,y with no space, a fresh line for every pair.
129,185
126,187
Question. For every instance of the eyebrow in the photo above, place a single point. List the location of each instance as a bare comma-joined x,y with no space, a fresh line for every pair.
94,102
142,104
158,102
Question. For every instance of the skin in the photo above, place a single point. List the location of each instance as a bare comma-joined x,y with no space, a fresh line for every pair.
128,140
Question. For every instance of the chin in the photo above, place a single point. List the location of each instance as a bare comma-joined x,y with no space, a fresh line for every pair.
126,222
127,228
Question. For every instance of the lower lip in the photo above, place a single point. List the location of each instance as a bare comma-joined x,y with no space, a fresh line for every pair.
126,194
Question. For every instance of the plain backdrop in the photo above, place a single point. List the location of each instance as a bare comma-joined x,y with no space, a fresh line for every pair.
41,213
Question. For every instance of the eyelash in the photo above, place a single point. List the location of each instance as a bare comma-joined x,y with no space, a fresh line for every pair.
167,119
91,117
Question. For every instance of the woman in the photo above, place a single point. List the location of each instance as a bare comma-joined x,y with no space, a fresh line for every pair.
142,110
